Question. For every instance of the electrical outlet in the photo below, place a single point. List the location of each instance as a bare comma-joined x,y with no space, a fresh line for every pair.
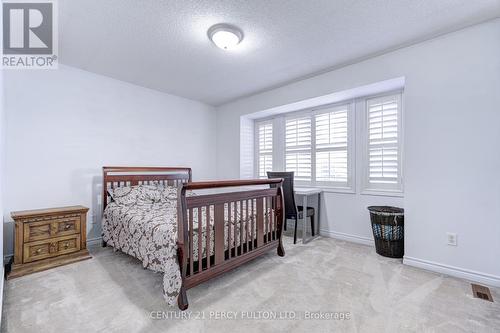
452,238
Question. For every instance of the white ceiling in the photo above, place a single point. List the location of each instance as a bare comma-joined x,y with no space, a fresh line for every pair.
162,44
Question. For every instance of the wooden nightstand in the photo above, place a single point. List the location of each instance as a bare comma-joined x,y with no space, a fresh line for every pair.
47,238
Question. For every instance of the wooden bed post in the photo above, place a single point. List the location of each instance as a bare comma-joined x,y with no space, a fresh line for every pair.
182,242
280,206
104,198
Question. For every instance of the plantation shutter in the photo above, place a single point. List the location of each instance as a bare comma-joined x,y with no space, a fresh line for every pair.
265,148
331,145
383,142
298,147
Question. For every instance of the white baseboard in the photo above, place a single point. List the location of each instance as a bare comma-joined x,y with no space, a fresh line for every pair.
94,241
347,237
458,272
6,259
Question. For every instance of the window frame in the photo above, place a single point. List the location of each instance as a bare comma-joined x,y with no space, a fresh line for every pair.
358,158
382,189
349,185
258,123
279,134
292,116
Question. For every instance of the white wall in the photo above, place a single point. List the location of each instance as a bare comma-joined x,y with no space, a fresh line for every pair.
64,125
451,162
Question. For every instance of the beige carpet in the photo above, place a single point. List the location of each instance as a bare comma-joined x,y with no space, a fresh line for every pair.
326,277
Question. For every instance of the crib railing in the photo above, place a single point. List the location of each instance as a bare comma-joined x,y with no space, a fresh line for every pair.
220,231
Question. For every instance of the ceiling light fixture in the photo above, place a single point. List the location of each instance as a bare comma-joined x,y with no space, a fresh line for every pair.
225,36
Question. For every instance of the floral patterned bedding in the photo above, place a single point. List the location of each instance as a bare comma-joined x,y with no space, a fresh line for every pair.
147,230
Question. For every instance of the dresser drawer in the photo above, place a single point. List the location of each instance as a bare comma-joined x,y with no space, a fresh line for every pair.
56,227
68,244
50,248
36,230
36,251
66,226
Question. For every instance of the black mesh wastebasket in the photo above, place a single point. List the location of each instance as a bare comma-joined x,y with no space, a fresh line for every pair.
388,230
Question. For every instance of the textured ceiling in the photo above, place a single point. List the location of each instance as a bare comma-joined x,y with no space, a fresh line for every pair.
162,44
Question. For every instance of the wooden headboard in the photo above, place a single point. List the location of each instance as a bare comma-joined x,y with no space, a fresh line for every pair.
113,177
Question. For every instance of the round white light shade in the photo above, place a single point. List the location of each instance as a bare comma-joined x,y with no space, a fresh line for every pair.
225,36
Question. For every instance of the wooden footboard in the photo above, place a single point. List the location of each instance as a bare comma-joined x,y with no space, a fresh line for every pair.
218,232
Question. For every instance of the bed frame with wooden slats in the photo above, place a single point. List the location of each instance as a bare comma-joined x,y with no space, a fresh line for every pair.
263,209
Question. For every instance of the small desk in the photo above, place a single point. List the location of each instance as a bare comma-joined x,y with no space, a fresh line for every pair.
305,193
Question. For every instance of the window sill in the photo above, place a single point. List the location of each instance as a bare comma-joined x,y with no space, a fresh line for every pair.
384,193
327,189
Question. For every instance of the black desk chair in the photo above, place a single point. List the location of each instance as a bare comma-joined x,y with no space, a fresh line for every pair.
292,212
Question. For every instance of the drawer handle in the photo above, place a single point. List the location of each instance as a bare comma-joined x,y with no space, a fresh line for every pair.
39,250
66,245
67,226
